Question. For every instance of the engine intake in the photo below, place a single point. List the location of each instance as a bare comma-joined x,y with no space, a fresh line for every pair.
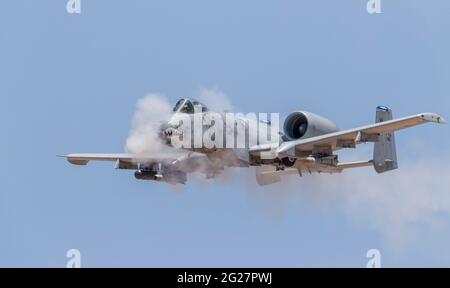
301,125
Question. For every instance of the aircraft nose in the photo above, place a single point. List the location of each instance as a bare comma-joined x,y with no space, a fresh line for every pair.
167,131
162,130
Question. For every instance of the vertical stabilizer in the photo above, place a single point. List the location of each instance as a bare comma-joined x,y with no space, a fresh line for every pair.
384,151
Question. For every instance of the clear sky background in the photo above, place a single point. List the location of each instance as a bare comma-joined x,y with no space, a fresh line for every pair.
69,83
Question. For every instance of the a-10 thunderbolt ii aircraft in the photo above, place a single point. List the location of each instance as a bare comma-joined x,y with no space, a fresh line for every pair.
305,144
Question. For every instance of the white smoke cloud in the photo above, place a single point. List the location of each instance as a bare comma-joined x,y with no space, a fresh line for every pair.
144,135
215,100
398,205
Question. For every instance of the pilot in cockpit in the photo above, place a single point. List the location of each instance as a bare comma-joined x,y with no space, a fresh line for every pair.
189,106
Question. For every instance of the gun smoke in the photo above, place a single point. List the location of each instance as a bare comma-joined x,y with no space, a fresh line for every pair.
144,135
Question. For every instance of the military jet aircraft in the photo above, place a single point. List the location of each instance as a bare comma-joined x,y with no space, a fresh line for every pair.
306,144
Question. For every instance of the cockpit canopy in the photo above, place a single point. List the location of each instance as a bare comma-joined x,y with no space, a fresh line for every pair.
189,106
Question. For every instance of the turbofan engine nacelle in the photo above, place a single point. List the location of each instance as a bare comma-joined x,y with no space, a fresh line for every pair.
302,124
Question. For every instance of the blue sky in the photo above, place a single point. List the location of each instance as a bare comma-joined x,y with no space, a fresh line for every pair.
69,83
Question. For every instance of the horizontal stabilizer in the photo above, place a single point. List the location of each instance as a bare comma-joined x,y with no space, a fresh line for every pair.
355,164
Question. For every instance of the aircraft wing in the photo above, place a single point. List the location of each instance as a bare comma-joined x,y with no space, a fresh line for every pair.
349,138
184,161
168,167
84,158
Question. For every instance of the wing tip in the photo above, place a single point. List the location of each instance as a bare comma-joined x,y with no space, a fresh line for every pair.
433,117
72,159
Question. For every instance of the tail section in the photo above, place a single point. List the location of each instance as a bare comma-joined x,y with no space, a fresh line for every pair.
384,152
